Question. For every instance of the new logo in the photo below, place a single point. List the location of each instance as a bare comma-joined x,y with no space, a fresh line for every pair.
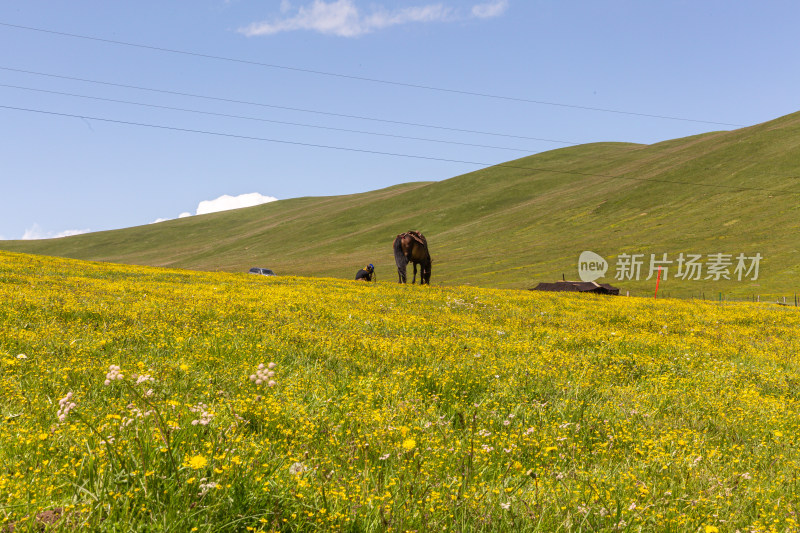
591,266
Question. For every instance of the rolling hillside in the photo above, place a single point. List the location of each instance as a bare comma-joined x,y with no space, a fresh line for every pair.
513,225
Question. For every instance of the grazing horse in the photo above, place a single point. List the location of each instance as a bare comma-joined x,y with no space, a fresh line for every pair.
412,247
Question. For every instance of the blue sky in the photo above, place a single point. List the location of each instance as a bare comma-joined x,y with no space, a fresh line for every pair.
71,160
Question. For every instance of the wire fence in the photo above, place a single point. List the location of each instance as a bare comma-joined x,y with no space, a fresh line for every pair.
790,300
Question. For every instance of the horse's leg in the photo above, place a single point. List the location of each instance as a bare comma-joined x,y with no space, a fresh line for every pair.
414,279
401,270
401,274
400,260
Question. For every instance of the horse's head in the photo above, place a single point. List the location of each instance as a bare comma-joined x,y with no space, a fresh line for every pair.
426,273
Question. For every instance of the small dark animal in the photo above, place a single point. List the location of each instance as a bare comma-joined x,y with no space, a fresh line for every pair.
412,247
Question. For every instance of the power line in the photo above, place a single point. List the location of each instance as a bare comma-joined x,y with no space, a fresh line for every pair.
211,113
360,78
284,108
395,154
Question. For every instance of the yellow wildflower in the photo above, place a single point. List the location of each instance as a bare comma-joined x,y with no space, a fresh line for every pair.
197,462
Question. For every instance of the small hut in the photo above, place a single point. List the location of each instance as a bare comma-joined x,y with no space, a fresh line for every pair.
578,286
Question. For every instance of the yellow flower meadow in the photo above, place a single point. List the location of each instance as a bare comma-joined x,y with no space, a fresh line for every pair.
135,407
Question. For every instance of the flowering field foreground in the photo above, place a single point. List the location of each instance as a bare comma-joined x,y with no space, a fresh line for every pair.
137,399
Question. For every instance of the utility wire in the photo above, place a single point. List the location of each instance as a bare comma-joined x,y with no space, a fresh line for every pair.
360,78
211,113
395,154
272,106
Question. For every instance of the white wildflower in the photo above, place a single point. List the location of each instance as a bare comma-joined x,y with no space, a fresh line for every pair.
263,375
205,416
65,405
114,372
143,379
205,487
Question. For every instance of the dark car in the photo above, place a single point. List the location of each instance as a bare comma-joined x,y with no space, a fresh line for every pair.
262,271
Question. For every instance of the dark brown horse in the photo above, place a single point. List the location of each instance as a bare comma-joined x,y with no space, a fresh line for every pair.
412,247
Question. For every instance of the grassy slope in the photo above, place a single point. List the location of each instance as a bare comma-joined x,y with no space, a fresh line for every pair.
507,226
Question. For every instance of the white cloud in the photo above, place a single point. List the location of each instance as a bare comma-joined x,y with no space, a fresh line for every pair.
490,9
225,202
344,19
35,232
338,18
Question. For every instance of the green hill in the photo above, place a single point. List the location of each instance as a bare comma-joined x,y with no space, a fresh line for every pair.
519,223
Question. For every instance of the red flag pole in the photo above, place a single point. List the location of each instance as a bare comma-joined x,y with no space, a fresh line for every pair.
658,280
